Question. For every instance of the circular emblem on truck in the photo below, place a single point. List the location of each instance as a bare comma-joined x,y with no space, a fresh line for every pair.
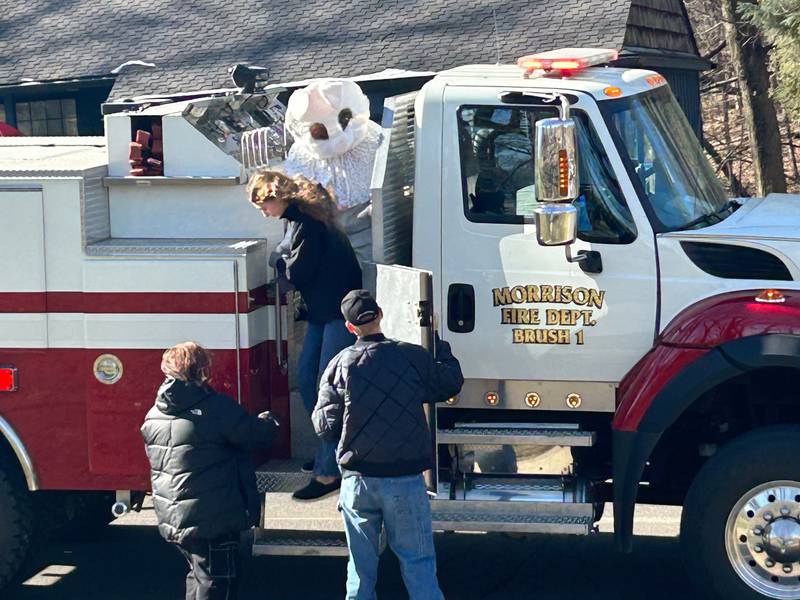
108,369
574,400
533,400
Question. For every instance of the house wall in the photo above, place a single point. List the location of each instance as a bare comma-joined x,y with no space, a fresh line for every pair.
685,84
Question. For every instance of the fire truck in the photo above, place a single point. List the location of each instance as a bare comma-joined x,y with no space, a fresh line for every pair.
628,334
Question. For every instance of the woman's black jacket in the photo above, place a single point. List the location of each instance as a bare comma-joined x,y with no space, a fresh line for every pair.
198,444
321,265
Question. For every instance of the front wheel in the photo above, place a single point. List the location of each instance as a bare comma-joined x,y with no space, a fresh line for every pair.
16,524
740,531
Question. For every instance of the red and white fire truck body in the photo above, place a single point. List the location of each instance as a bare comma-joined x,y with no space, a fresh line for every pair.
102,275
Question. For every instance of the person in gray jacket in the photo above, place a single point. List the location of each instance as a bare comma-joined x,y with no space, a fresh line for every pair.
371,401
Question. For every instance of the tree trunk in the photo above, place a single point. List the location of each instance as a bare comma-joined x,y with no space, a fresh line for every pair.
790,141
750,60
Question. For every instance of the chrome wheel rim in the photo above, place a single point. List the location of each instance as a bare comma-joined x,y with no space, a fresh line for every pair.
762,539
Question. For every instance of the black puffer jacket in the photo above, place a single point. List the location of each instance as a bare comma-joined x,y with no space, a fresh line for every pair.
197,442
320,264
371,398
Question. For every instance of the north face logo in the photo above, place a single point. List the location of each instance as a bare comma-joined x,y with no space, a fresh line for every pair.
196,411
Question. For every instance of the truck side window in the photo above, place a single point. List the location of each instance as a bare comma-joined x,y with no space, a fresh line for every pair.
496,145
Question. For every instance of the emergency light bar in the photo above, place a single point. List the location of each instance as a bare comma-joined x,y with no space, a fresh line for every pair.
566,60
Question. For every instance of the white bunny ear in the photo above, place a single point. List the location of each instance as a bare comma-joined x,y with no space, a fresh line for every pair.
298,104
354,99
342,93
330,91
296,110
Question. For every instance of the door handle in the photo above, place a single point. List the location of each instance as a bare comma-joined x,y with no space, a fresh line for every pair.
461,308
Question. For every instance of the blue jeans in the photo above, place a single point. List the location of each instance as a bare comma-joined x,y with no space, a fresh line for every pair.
321,344
401,505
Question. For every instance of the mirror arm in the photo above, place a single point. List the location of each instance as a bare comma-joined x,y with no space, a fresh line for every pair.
590,261
548,97
582,255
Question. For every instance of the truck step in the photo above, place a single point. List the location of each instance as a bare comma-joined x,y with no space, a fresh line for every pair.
512,434
291,542
512,517
281,476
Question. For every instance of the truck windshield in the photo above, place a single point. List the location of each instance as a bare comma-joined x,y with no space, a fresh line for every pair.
662,152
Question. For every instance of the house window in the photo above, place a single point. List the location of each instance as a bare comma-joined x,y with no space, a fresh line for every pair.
47,117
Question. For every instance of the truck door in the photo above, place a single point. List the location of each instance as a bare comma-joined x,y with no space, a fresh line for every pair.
515,310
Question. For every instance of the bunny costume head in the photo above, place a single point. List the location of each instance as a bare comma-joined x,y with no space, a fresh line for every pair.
329,117
335,145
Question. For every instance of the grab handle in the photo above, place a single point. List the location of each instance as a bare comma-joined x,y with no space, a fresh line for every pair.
282,363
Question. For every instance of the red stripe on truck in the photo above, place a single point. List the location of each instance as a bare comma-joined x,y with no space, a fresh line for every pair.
135,302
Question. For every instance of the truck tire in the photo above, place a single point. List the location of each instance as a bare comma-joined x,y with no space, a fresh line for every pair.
16,524
740,530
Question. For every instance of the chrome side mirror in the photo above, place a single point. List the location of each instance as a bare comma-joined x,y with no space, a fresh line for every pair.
556,160
556,177
556,224
556,181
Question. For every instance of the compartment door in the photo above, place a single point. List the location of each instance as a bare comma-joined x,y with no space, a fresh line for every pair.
406,297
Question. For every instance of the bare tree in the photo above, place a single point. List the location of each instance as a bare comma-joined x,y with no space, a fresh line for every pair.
750,59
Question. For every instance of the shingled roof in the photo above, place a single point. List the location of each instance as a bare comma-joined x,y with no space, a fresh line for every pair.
193,42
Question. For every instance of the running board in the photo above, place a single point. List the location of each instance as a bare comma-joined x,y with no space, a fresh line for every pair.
512,517
486,434
289,542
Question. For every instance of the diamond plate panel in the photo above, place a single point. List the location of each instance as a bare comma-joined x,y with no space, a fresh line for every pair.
521,517
544,486
168,246
278,483
281,476
280,542
495,435
301,538
458,517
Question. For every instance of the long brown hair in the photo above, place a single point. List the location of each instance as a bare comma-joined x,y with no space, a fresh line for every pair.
311,198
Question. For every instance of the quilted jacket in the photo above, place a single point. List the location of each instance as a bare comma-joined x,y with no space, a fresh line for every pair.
198,444
370,400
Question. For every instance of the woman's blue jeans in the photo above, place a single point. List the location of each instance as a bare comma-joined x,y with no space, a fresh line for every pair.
321,344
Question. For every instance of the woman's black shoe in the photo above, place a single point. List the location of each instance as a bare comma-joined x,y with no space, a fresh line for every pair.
316,490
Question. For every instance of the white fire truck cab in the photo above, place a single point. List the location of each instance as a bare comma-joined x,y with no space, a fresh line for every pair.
627,332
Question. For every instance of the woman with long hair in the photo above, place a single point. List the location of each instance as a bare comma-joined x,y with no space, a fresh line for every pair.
322,267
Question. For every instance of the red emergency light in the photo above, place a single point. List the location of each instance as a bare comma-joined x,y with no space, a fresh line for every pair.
771,296
8,379
566,60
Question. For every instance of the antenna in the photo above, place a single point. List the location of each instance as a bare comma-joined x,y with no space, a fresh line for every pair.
496,35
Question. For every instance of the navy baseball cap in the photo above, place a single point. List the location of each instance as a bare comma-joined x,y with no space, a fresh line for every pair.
359,307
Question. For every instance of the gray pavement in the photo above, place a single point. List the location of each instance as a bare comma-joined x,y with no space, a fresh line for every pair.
131,562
